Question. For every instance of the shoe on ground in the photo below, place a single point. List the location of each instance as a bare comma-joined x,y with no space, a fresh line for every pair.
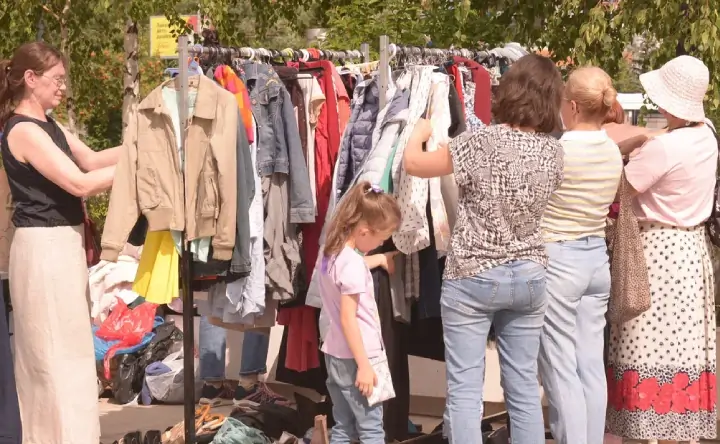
211,395
256,395
153,437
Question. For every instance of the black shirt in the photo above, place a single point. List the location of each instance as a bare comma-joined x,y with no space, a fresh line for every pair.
38,201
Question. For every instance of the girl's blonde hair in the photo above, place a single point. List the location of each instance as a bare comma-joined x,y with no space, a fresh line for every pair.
592,90
362,203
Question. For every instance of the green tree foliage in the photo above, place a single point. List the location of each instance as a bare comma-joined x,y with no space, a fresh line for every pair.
409,22
654,31
578,31
626,80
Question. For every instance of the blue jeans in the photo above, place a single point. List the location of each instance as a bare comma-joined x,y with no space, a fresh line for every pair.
355,420
571,352
212,352
512,297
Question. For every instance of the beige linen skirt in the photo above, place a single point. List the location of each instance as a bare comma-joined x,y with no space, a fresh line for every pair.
54,354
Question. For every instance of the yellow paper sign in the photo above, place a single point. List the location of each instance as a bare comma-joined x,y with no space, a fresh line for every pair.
162,42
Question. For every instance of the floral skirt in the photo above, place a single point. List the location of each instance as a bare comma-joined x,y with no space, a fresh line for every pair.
661,365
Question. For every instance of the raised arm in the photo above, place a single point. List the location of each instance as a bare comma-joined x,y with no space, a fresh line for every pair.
88,159
30,144
425,164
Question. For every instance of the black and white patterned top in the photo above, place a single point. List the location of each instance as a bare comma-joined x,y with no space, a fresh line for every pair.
505,178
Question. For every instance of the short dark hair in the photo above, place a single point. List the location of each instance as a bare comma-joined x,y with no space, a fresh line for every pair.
530,94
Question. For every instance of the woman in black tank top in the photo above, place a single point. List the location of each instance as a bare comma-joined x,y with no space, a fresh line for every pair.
49,172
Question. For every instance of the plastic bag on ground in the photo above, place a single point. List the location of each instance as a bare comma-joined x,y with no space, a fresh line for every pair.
127,380
102,346
164,381
128,373
126,326
168,339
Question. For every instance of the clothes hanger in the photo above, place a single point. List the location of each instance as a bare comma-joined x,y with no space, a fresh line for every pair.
289,53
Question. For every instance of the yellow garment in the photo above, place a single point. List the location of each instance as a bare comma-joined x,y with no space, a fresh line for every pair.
157,276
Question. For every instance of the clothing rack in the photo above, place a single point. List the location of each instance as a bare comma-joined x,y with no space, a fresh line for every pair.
294,54
416,51
185,51
390,51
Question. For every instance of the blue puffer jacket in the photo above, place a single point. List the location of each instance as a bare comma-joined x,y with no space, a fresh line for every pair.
357,138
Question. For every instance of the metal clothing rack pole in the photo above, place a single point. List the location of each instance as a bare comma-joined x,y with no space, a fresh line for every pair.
384,75
365,50
389,50
186,270
418,51
250,53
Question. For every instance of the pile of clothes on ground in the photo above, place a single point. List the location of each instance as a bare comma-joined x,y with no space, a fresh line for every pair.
274,424
139,354
263,424
301,422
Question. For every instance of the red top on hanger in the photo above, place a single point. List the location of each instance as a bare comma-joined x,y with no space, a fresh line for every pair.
483,93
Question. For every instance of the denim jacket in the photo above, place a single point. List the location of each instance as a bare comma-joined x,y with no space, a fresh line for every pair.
279,147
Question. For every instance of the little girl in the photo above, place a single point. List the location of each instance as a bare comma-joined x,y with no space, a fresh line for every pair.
364,219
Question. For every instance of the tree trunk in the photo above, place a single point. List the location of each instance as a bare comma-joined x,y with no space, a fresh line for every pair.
131,76
40,26
65,49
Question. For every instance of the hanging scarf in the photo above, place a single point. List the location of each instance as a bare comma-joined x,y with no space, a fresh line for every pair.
227,78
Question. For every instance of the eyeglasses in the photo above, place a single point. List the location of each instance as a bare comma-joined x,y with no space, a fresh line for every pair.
59,81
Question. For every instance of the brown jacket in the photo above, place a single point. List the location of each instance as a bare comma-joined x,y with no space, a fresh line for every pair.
148,178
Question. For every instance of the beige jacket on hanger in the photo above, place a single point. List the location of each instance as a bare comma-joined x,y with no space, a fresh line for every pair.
149,177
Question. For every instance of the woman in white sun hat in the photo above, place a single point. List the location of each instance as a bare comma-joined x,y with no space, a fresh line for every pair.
661,369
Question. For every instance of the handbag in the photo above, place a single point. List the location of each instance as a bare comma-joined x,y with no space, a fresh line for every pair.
630,285
92,249
384,389
7,229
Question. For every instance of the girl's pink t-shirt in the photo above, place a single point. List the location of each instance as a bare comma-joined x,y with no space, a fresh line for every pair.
674,175
348,274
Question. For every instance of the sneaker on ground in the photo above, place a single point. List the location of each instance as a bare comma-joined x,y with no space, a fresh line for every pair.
211,395
256,395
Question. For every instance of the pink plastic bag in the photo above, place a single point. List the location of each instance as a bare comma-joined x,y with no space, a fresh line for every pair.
127,326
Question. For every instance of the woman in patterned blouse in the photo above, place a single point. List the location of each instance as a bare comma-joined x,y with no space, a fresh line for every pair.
495,272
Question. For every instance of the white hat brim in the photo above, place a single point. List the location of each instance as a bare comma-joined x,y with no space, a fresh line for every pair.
660,93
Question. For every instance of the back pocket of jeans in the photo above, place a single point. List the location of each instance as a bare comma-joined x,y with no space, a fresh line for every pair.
537,287
468,295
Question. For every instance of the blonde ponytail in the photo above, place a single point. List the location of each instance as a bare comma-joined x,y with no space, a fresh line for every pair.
609,96
592,90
